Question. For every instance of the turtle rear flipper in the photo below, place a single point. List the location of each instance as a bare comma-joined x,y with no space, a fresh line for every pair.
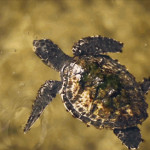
145,85
131,137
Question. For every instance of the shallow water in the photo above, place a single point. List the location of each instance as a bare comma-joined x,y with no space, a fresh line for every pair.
22,72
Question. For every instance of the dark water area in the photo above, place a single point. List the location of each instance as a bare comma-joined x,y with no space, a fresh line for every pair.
22,72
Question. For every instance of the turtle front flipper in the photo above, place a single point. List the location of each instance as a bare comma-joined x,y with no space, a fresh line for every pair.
50,53
145,85
96,45
45,95
131,137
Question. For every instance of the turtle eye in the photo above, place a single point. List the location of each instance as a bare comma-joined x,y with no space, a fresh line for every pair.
38,43
35,42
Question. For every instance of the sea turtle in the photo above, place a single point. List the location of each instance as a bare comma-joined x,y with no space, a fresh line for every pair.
95,88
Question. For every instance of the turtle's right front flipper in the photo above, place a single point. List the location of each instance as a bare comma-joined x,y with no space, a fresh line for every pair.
131,137
96,45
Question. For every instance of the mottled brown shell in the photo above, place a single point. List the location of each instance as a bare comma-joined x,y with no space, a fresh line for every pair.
101,92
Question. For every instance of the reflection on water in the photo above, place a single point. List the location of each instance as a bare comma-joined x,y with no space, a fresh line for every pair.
22,72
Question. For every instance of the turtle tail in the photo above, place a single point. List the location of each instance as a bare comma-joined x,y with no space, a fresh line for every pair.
131,137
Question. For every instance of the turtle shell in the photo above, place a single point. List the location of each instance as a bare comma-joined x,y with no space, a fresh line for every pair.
101,92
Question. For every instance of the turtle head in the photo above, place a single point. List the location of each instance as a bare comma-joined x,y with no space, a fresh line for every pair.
50,53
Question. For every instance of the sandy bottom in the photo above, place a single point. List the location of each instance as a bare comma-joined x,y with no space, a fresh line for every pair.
22,72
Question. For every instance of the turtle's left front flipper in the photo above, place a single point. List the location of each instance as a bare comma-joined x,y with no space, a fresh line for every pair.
131,137
45,95
145,85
